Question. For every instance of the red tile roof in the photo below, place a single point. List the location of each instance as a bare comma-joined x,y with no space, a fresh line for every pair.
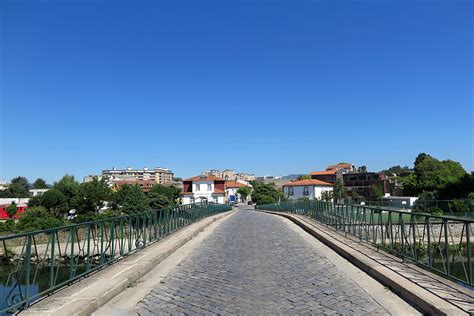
316,173
308,182
235,184
204,178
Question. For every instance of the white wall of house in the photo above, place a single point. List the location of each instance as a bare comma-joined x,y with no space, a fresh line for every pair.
14,200
313,192
189,199
203,187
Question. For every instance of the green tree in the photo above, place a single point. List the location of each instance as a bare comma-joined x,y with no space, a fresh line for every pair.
158,200
362,169
426,203
266,194
130,199
37,218
459,206
68,186
35,201
40,184
377,190
171,192
19,187
244,192
11,210
55,202
396,170
92,196
339,191
327,196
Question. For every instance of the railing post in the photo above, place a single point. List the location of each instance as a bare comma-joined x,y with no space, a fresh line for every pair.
469,254
415,246
28,268
446,246
73,237
51,259
428,229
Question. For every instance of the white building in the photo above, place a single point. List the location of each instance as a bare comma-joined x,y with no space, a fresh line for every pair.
231,188
310,189
37,192
203,189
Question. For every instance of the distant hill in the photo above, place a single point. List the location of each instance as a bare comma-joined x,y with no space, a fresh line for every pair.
292,176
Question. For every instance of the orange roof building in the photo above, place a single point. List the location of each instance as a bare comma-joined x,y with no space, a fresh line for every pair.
203,189
309,188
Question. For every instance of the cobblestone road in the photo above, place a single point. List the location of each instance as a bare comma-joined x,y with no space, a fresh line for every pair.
253,263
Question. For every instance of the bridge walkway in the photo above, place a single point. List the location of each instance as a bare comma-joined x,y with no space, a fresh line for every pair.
457,298
256,263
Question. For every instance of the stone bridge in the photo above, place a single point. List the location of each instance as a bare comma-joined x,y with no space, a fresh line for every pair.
250,262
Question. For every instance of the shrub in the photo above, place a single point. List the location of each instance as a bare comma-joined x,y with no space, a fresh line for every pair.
37,218
458,206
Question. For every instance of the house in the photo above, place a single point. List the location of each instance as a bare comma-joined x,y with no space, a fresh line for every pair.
231,188
343,167
37,192
20,208
330,176
310,188
363,183
203,188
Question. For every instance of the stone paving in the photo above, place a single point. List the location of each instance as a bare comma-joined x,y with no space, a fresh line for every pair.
253,263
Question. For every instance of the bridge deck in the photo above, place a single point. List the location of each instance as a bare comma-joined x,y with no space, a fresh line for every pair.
459,297
254,263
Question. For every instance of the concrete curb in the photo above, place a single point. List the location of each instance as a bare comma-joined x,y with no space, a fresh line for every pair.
412,293
87,295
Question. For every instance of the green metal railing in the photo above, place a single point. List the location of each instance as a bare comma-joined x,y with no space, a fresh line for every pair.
442,244
34,264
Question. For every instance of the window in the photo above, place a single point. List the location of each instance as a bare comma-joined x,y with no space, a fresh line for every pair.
198,187
290,191
305,191
209,188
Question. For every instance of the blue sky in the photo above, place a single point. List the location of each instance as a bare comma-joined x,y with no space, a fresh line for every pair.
269,87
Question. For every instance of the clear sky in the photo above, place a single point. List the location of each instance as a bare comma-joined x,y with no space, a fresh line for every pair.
269,87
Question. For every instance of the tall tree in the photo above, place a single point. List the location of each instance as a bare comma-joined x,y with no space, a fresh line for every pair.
171,192
92,196
158,200
19,187
40,184
265,194
131,199
431,174
244,192
339,191
55,202
68,186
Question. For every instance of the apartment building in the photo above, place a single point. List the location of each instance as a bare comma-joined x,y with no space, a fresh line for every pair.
157,175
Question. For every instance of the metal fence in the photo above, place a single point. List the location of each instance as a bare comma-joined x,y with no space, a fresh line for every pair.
449,207
34,264
442,244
